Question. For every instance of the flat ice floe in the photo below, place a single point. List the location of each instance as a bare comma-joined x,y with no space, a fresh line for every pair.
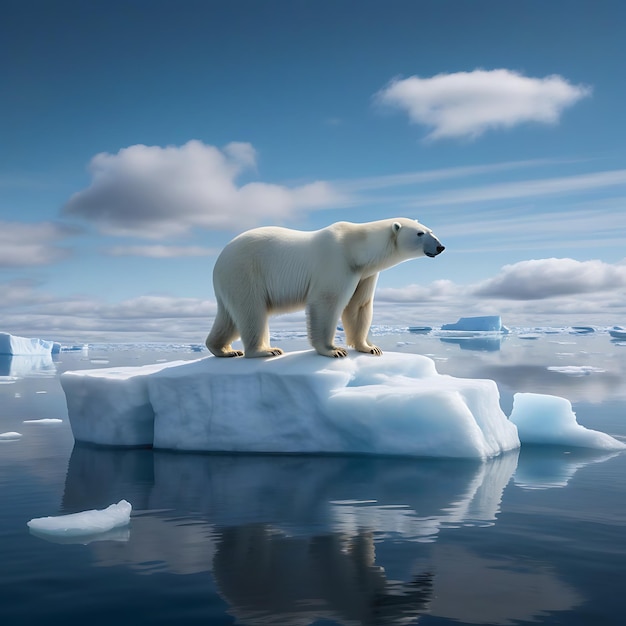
396,404
300,402
85,523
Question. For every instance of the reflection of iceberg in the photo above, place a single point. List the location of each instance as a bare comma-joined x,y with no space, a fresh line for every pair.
478,504
544,468
305,495
22,366
482,344
294,540
279,533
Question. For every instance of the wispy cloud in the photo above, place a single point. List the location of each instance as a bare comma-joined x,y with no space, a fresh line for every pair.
26,245
467,104
564,185
161,251
155,192
421,177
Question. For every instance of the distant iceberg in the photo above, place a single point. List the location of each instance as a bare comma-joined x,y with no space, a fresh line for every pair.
24,346
486,323
396,404
618,332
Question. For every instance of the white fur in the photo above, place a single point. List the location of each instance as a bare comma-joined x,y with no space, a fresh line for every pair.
331,272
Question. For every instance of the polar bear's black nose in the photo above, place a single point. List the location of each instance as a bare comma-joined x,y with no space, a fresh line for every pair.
440,249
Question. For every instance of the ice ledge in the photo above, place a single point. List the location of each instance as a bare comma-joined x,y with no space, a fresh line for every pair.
300,402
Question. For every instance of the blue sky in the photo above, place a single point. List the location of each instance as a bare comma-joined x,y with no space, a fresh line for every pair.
139,137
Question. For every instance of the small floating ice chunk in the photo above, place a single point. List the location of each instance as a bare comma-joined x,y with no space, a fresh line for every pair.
46,420
576,370
544,419
84,523
10,436
617,332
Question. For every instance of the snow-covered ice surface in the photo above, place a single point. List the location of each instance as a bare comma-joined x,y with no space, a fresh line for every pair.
300,402
550,420
397,405
83,524
24,346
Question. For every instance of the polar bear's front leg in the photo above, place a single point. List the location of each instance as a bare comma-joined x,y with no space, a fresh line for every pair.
357,317
322,317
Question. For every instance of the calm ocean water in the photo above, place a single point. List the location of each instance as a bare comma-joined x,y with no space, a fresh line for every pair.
536,537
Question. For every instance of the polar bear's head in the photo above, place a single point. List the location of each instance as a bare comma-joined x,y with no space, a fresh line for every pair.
414,239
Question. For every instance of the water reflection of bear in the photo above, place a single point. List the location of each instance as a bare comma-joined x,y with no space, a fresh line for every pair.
261,572
290,537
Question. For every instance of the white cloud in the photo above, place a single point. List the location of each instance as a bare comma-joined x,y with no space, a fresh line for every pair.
23,245
150,191
161,252
548,278
466,104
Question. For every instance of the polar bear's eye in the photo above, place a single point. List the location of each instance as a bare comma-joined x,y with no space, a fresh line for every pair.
420,233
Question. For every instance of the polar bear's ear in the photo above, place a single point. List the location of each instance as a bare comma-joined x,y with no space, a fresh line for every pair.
396,226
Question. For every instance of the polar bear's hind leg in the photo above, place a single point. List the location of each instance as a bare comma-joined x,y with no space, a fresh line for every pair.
222,334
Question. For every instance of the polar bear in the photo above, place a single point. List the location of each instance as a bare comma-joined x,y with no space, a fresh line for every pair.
330,272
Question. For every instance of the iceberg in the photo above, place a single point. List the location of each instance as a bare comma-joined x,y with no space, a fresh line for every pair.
300,402
24,346
486,323
85,523
543,419
618,332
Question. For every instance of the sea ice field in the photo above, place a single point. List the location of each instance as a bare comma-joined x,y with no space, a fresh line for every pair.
529,529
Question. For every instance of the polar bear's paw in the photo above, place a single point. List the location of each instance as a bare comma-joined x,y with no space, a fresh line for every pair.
253,354
333,351
230,353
